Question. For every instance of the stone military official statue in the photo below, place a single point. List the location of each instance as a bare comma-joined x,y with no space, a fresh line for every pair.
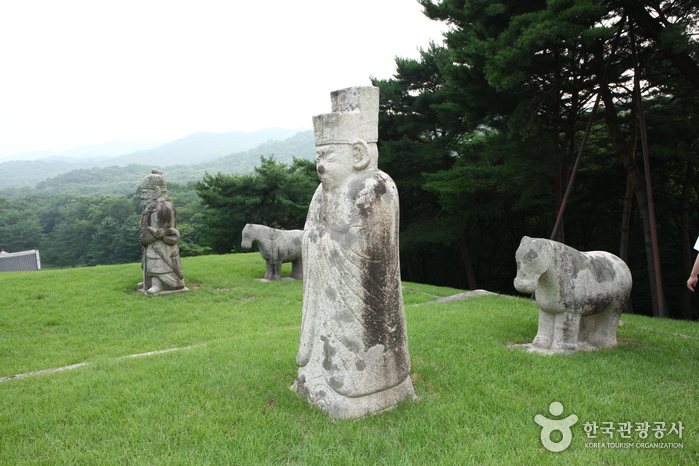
162,268
353,352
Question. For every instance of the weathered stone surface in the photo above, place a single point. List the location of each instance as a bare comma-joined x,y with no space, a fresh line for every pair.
353,352
276,247
580,294
162,268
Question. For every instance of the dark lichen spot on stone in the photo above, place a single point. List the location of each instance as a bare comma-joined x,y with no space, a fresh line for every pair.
335,384
603,270
358,183
329,352
165,217
361,365
598,303
345,316
380,188
530,256
312,236
353,344
601,267
331,293
381,315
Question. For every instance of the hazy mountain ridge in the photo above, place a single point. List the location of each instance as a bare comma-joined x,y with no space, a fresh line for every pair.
203,147
125,180
94,151
29,172
185,159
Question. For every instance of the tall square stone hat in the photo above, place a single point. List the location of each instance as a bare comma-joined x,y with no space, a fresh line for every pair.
355,115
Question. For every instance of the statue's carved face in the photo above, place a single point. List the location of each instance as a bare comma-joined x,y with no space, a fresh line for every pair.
533,259
149,195
334,164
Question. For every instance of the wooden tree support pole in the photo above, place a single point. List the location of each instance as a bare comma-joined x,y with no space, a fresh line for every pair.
649,186
569,188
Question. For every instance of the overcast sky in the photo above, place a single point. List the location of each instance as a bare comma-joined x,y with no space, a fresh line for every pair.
77,73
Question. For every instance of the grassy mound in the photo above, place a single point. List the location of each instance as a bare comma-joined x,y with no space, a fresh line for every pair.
224,397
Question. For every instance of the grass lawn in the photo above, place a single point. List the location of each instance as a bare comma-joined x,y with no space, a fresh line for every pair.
224,397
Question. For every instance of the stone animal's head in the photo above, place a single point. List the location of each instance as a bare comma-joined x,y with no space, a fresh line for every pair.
246,243
533,259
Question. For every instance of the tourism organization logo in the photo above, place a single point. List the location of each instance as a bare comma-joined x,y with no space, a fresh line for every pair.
557,434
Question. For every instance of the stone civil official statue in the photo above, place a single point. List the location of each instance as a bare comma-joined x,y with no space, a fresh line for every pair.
353,352
162,268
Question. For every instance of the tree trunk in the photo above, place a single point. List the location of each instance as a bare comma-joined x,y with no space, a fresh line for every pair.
408,261
686,238
559,187
626,216
646,167
611,119
562,165
466,257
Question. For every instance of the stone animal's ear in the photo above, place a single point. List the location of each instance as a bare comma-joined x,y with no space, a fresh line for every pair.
360,155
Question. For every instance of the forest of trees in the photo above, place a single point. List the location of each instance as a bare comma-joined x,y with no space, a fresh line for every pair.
71,229
274,194
75,230
482,135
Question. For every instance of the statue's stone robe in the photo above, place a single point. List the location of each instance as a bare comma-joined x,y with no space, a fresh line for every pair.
353,353
161,256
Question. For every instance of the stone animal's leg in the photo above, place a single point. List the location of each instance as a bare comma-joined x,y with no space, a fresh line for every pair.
588,327
274,270
565,333
297,270
544,335
604,333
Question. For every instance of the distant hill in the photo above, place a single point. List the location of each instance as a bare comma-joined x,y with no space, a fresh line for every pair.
96,151
196,149
301,146
201,147
111,149
97,180
125,180
29,172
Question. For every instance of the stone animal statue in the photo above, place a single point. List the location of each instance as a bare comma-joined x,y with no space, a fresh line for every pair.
276,247
580,294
